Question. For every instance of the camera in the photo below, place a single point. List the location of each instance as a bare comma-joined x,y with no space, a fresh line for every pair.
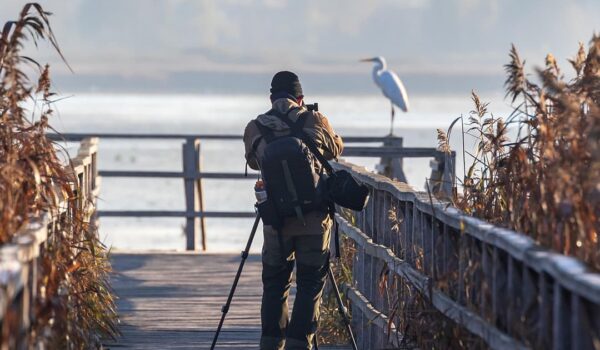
312,107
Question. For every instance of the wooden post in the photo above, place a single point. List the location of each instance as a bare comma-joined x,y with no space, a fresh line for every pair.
201,196
192,203
443,173
448,176
392,167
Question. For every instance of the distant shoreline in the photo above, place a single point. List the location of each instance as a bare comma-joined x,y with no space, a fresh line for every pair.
254,84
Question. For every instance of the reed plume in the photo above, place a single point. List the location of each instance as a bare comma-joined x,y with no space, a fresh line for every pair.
546,181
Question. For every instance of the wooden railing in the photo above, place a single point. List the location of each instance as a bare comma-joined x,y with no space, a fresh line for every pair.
192,174
20,260
495,283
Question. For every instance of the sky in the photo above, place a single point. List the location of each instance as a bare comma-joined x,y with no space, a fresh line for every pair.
435,46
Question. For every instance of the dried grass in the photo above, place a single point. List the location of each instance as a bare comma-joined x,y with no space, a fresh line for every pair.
331,325
546,183
74,306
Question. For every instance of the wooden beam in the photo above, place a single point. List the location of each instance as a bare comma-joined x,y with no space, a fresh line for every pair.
405,152
174,214
176,174
200,194
155,136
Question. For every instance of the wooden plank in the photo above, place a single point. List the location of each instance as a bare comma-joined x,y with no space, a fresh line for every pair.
176,174
173,301
405,152
175,213
154,136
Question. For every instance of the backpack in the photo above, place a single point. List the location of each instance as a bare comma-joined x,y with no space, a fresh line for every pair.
287,166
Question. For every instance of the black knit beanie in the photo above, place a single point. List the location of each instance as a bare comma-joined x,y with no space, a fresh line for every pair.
286,82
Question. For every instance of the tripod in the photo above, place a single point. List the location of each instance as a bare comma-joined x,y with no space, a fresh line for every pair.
342,309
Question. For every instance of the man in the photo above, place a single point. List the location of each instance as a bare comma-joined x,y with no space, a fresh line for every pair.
304,241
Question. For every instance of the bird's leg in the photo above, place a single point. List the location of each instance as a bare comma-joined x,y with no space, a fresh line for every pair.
392,123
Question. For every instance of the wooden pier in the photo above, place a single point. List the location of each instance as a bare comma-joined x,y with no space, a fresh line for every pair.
411,256
173,301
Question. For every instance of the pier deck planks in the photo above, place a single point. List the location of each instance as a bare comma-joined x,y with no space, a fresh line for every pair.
173,300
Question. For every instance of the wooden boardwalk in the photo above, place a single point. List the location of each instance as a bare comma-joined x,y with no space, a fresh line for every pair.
173,300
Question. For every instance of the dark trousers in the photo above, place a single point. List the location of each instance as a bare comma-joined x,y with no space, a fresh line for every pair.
310,255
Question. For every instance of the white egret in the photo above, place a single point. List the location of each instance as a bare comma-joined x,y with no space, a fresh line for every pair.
390,85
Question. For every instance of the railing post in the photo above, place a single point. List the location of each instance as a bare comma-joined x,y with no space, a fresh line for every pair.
392,166
443,173
95,183
199,190
190,161
449,175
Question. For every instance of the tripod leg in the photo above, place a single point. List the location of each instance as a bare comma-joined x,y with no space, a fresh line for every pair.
225,307
341,307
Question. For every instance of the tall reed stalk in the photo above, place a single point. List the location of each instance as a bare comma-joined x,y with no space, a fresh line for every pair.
74,308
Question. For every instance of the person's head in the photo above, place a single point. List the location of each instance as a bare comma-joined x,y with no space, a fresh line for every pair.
286,84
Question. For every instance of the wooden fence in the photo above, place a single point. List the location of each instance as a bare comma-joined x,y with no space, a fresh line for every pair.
493,283
192,174
20,260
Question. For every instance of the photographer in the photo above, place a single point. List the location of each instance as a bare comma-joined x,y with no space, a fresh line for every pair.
301,239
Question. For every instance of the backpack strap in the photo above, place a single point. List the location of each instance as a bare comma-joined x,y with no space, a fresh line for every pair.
297,129
265,133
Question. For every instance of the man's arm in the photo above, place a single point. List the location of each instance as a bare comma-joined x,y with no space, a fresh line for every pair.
251,136
330,142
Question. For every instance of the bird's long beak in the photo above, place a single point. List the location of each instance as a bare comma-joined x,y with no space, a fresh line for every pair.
367,60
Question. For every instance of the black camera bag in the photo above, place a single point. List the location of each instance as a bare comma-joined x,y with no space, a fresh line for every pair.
346,191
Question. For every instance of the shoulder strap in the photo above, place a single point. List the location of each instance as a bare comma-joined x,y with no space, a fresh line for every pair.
298,131
266,134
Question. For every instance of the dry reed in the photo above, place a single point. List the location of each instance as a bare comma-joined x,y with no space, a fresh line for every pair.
74,308
331,325
545,182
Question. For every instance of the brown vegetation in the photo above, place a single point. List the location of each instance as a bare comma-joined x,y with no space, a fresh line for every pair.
545,182
74,307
